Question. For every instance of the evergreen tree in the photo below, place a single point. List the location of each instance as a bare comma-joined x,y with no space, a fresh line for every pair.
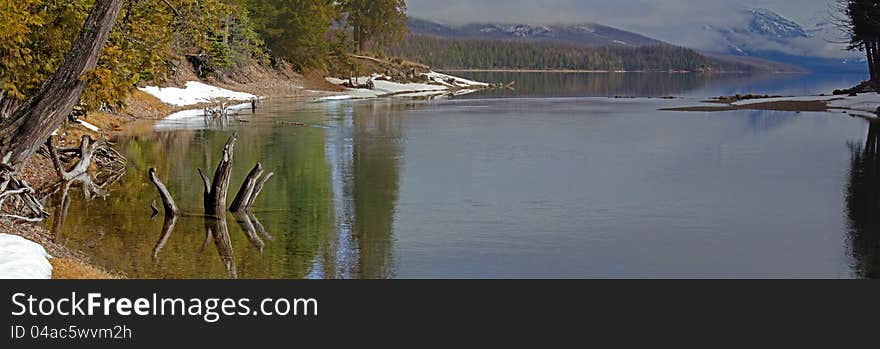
862,21
375,22
296,30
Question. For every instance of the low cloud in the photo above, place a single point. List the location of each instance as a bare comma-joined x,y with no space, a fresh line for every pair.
681,22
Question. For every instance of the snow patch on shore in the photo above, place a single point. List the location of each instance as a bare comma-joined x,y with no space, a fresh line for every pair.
454,80
23,259
192,118
864,102
438,84
194,93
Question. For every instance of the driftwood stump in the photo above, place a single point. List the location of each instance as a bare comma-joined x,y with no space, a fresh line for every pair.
167,201
250,189
215,191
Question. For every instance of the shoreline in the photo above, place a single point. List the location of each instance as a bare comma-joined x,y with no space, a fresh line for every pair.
503,70
865,105
142,109
146,107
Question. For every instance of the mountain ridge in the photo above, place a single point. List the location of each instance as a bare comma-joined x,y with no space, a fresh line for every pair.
584,34
563,37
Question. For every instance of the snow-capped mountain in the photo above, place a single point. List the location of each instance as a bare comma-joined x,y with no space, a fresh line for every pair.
587,34
765,34
770,24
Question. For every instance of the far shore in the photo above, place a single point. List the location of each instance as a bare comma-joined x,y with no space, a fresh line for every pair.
857,104
456,70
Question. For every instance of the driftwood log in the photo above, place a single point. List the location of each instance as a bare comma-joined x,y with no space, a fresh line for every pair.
167,201
18,197
87,151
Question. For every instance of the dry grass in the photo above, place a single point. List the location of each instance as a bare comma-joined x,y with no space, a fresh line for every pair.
72,269
142,105
314,80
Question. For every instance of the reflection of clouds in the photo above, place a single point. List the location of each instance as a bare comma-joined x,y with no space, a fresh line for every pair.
765,120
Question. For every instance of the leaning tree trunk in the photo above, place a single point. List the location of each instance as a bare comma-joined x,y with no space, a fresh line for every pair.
41,114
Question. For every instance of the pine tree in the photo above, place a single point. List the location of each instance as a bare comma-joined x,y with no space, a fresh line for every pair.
375,22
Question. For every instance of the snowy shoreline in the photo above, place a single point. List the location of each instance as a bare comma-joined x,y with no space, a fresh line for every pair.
436,84
863,104
197,94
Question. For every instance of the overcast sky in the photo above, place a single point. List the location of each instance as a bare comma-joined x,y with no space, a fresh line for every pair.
675,21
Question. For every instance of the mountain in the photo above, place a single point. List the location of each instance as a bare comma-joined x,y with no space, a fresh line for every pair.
762,33
586,34
585,46
770,24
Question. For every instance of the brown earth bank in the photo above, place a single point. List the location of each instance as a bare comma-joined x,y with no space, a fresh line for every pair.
725,103
793,106
142,110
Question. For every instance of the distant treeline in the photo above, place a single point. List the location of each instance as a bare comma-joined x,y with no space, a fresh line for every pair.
488,54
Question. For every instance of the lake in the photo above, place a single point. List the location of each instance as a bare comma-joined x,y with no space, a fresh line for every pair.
553,179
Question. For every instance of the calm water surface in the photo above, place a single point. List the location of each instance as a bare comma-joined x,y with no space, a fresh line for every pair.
553,179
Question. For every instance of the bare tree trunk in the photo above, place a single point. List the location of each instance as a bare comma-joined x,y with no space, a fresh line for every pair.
8,105
32,123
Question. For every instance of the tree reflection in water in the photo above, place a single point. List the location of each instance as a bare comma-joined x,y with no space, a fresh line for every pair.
863,204
216,228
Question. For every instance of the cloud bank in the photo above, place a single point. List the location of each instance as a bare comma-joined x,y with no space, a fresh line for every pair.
681,22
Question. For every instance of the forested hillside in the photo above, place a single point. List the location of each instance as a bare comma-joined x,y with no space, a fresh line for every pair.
494,54
154,39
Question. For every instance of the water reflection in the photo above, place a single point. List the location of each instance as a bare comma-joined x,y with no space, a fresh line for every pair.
568,187
216,228
167,228
363,149
863,204
657,84
252,228
327,213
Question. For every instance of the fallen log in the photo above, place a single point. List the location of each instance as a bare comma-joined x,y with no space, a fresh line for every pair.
90,151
